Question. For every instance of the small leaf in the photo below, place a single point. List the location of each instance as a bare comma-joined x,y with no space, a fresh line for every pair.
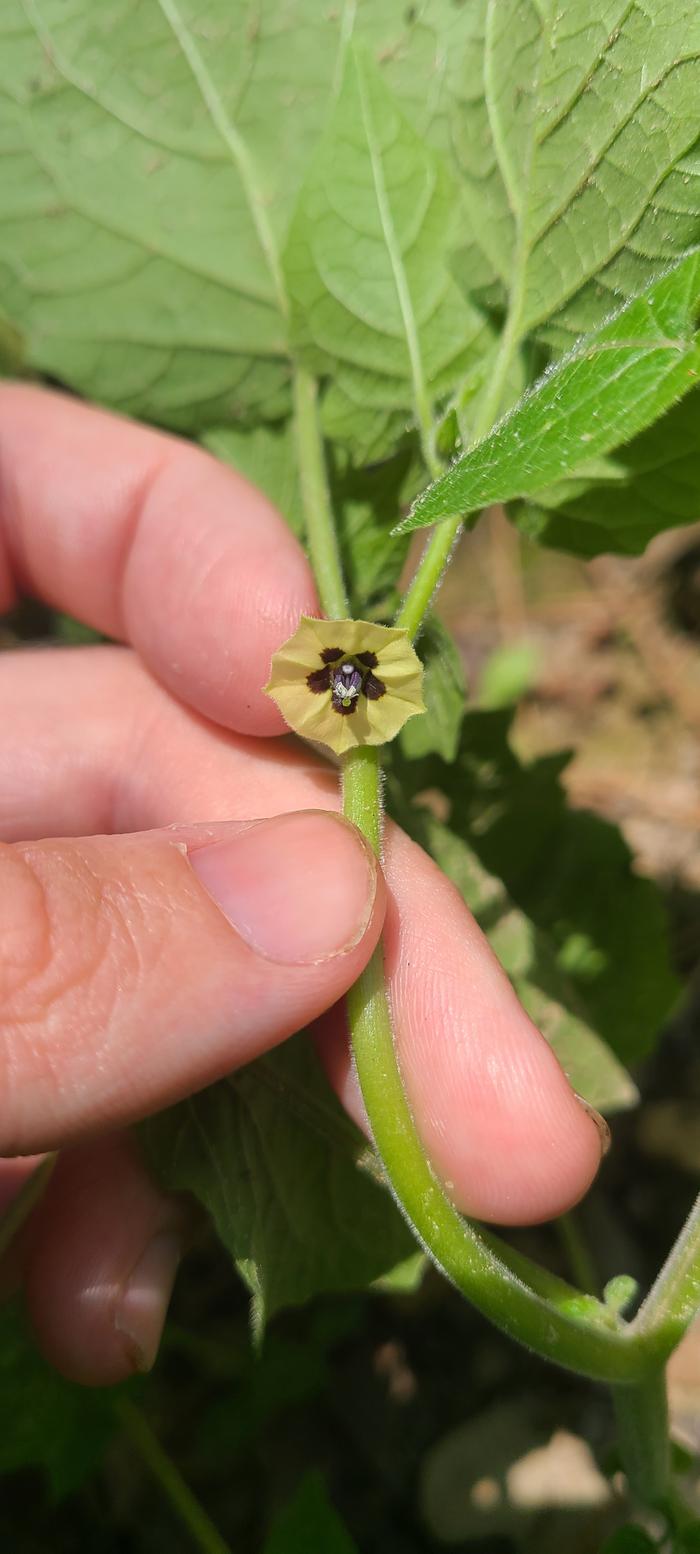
612,385
274,1159
620,1292
444,692
309,1523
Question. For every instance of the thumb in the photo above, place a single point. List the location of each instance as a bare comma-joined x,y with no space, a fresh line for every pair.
136,969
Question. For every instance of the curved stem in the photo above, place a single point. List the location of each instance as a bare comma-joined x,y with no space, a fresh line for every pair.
544,1313
587,1339
193,1516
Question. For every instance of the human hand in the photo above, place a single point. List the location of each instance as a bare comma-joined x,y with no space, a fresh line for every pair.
160,940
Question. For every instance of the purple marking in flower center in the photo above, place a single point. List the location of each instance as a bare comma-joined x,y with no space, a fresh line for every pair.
345,681
346,684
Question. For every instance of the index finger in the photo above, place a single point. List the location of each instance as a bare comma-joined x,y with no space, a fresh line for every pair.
153,542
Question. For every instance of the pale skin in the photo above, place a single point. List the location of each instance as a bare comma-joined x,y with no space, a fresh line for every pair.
157,940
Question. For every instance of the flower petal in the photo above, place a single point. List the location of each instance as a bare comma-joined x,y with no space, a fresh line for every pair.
297,676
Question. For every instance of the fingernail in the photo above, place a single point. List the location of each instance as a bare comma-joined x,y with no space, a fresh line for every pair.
144,1303
600,1122
298,889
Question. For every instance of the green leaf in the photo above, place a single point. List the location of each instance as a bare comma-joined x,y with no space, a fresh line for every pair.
576,136
351,419
568,871
266,455
528,956
653,483
444,693
150,175
143,168
50,1423
629,1540
308,1523
373,303
612,385
274,1159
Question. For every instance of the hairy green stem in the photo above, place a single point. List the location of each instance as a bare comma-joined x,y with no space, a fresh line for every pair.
641,1415
437,551
544,1313
428,575
318,517
592,1344
436,554
674,1298
204,1534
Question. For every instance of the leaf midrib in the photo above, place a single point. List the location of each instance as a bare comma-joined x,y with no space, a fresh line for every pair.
235,144
403,292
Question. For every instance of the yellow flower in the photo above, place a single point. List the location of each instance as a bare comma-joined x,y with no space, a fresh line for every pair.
346,683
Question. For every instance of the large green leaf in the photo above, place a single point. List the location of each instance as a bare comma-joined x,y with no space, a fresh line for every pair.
274,1159
141,171
652,483
614,383
150,167
373,303
50,1423
577,137
569,873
